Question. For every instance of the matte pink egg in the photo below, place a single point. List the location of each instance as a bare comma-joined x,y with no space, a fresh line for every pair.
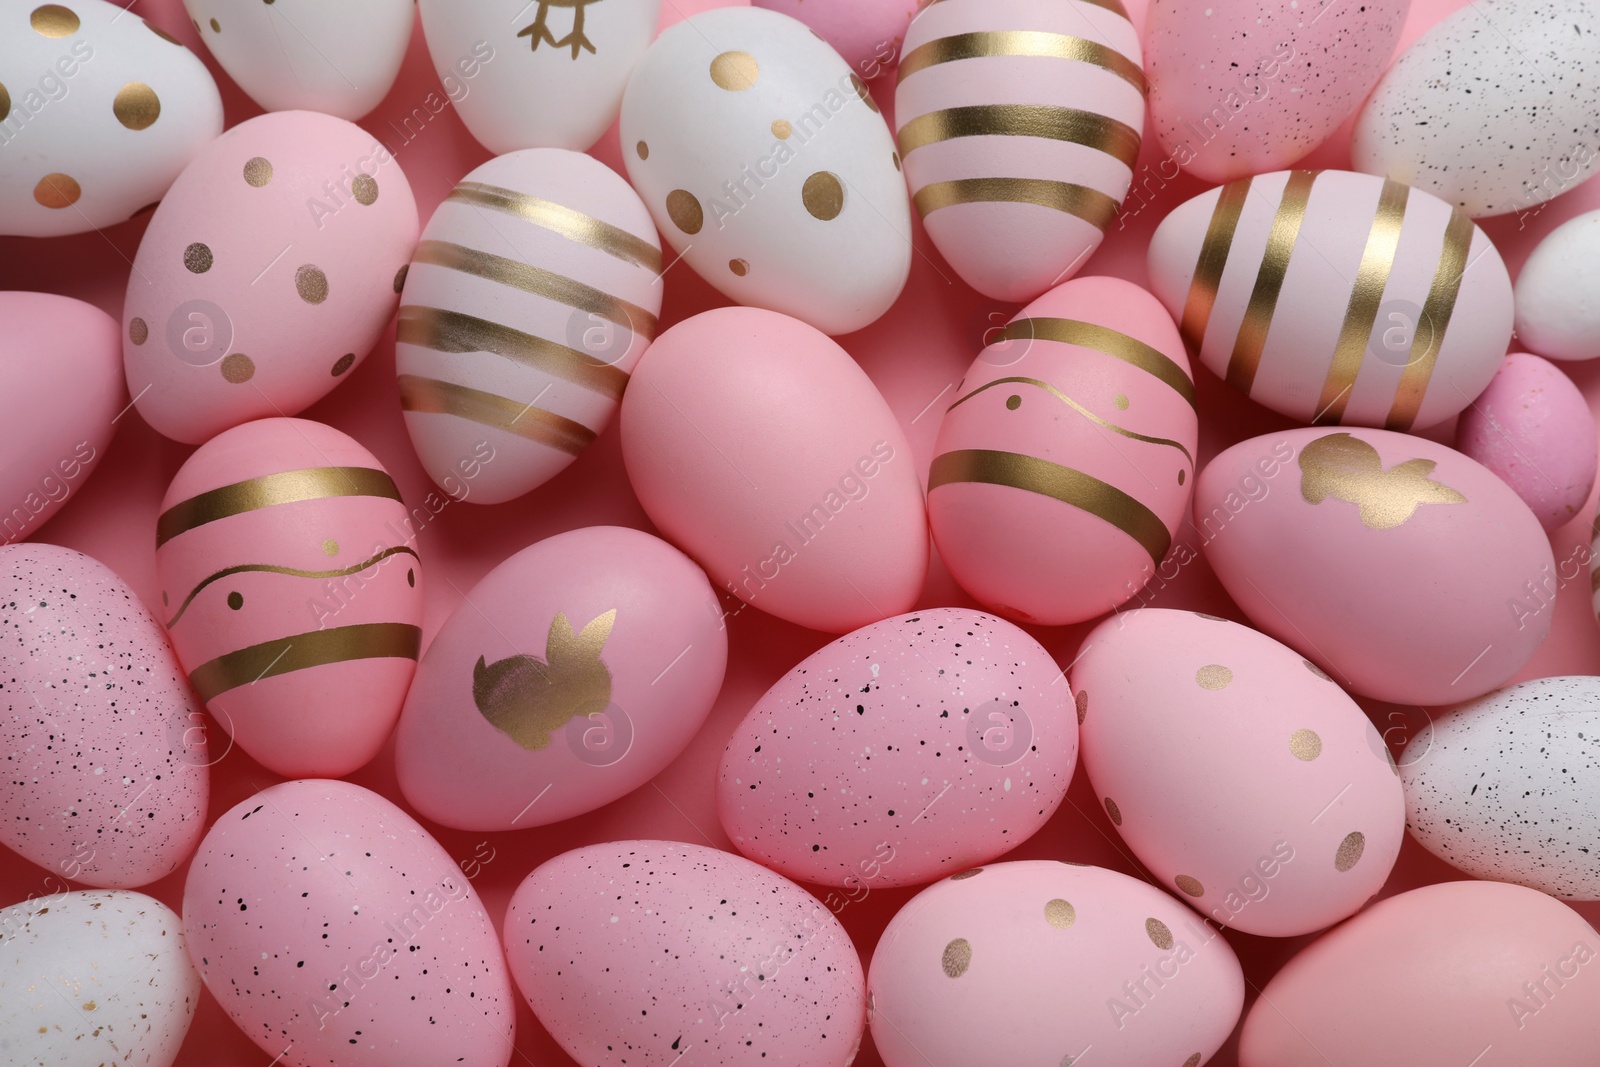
1404,569
1076,425
270,269
291,591
867,33
107,764
1436,977
759,447
651,952
334,931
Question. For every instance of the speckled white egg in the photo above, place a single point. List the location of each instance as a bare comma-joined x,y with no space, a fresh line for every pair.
1558,292
94,979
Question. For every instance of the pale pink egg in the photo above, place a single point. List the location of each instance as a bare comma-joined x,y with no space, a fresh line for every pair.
1019,126
334,931
270,269
868,33
1406,570
758,446
651,952
291,590
1437,977
1075,426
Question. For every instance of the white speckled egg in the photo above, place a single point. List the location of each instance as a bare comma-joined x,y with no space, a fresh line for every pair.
1494,109
769,169
1558,292
94,979
650,952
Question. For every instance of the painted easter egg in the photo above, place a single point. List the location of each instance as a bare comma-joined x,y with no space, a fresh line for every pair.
1076,425
1404,569
269,271
743,965
758,446
291,591
1558,314
1019,124
526,354
98,114
765,162
333,930
867,33
1333,297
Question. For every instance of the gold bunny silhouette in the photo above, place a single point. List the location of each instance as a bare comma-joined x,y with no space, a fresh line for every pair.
528,700
1342,466
539,29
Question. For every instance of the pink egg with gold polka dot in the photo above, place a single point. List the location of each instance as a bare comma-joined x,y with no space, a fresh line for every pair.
269,271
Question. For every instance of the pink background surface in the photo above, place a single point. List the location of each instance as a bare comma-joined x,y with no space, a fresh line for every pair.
915,354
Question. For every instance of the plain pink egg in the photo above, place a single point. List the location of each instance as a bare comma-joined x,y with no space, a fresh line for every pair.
868,33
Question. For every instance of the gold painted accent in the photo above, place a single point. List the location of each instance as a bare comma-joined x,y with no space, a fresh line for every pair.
215,26
454,332
136,106
643,149
741,267
53,20
5,103
1351,470
1189,885
238,368
1082,703
895,156
529,699
1107,342
1075,406
163,34
539,29
1158,933
197,258
1212,262
823,195
1305,745
57,191
270,490
1213,676
364,187
685,211
1072,487
1059,913
293,572
1192,1061
735,71
1350,850
1436,314
957,958
235,601
1120,401
1318,671
433,396
1113,812
1090,205
257,171
558,218
782,129
964,875
862,91
400,276
138,331
317,648
1372,277
330,547
343,363
311,284
1252,336
1100,132
1030,43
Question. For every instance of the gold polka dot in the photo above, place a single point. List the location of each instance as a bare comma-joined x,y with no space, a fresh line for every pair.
311,284
823,195
1181,475
164,601
365,189
136,106
53,20
964,875
411,577
235,600
5,103
400,276
57,191
735,71
215,26
861,91
781,129
1189,885
896,157
685,211
1082,701
1113,811
957,957
1013,403
197,258
1059,913
257,171
740,267
1192,1061
643,149
1350,850
1316,670
330,547
238,368
1120,401
344,363
1158,933
138,331
1213,676
163,34
1305,744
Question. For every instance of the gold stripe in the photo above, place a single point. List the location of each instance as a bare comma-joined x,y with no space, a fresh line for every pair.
451,331
488,409
1079,408
558,218
1106,341
1436,313
1252,337
317,648
535,280
1090,205
1071,487
1377,260
1099,132
1026,43
295,572
270,490
1212,262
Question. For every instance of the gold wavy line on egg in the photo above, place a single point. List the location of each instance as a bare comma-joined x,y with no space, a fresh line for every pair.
1212,262
1436,311
1104,340
518,275
1033,44
316,648
1069,124
434,397
1079,408
1090,205
570,223
455,332
1372,277
1252,337
270,490
293,572
1072,487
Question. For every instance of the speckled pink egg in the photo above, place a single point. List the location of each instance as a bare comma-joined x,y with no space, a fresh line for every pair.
107,775
1404,569
1533,428
1244,88
759,447
651,952
269,270
291,590
570,675
1076,425
912,748
1437,977
868,33
1237,772
336,933
1041,961
1019,126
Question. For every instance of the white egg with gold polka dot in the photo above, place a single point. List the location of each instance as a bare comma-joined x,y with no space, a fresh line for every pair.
1238,772
99,111
769,168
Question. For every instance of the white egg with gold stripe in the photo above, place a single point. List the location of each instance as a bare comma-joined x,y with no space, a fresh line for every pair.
1336,298
1019,127
534,291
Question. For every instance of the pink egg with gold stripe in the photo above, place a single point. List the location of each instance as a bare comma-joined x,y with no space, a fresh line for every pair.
1064,466
1019,127
291,591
